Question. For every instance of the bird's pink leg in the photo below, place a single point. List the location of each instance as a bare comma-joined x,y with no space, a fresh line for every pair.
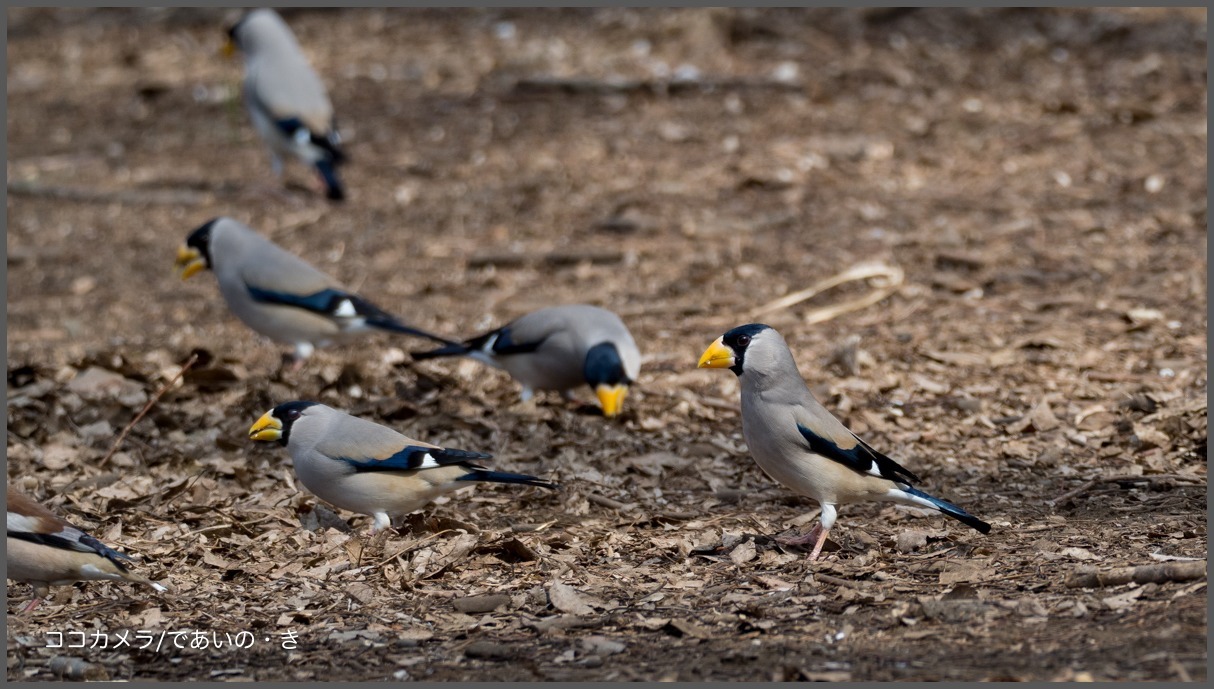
318,185
31,605
818,546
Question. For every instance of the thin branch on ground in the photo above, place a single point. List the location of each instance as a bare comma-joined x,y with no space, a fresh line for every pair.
1143,574
146,408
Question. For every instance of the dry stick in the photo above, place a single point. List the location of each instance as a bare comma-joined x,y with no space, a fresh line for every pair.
414,546
609,503
1143,574
546,84
174,197
892,277
1125,478
828,579
555,258
147,407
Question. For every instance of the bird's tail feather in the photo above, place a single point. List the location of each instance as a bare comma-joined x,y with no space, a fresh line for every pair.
392,325
452,349
947,508
145,581
333,186
329,143
504,477
107,552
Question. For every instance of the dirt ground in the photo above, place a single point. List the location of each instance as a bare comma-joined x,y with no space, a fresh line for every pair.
1036,177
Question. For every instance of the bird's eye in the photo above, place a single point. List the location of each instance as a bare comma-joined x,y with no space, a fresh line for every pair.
743,340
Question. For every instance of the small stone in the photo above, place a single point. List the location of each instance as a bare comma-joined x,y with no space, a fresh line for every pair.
480,604
909,541
490,650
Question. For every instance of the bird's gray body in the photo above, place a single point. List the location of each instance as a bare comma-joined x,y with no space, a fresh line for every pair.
364,467
241,258
775,399
566,334
798,443
280,84
279,294
323,435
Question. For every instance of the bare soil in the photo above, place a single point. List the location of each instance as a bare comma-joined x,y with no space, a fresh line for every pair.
1038,176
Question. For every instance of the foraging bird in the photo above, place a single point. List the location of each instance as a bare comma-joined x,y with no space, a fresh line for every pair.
801,445
361,466
46,551
286,100
559,348
279,294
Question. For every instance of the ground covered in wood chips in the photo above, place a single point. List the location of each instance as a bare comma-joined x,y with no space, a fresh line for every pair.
1032,182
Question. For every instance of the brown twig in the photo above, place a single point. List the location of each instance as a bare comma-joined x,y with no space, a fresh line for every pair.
146,408
554,259
887,280
605,501
828,579
1152,479
1143,574
582,85
174,197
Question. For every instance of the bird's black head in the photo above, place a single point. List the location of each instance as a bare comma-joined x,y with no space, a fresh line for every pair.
604,366
235,28
285,415
200,240
738,340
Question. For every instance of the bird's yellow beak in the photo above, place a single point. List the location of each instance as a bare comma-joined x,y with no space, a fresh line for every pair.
267,428
189,261
229,48
717,356
611,398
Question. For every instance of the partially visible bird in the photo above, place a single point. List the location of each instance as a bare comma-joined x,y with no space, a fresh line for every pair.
361,466
45,550
797,442
286,100
279,294
559,348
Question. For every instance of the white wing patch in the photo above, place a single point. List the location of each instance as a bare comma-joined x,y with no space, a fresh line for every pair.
21,523
345,309
428,462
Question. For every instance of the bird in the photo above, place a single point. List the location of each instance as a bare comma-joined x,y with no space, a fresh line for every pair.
287,102
45,550
279,294
559,348
361,466
801,445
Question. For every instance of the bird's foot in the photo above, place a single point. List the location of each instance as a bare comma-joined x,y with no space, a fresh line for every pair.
816,535
804,539
29,607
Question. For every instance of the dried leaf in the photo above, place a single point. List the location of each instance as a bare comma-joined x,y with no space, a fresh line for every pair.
1123,601
743,552
568,599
